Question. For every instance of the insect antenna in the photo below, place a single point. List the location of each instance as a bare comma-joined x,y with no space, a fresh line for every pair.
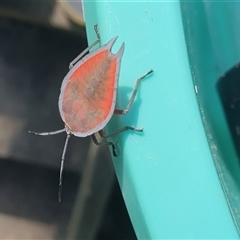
48,133
61,169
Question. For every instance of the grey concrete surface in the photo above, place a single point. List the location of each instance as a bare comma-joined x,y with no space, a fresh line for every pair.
33,62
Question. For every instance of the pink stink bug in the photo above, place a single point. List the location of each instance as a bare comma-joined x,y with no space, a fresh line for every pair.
88,96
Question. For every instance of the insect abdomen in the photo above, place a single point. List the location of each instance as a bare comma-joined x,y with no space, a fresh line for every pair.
89,94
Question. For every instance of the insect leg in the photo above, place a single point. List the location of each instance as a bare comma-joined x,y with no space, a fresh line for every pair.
61,169
48,133
87,49
123,129
104,143
126,110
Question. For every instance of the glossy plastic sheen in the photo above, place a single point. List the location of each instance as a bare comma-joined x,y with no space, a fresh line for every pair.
167,173
88,92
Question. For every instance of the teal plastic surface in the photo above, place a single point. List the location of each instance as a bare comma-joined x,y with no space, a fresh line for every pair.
214,47
167,173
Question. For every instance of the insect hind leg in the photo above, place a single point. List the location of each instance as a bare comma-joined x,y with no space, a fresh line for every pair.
87,49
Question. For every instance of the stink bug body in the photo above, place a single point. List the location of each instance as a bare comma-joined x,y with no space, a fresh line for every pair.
88,96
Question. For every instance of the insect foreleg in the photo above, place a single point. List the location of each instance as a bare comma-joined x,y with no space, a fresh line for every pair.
101,133
104,143
123,129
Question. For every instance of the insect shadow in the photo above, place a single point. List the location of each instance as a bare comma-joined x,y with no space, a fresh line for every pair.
118,121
